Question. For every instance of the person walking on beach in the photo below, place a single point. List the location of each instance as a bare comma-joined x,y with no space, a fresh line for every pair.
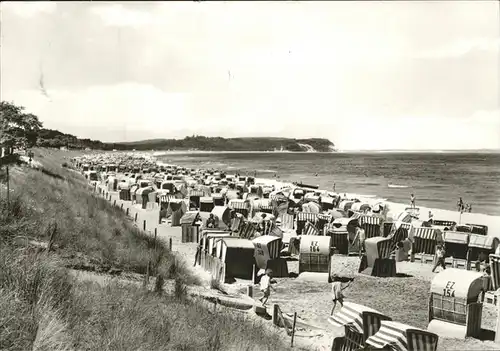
440,252
333,187
360,238
412,200
460,205
338,292
265,286
197,255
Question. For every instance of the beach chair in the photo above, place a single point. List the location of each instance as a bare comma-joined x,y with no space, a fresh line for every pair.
457,247
371,225
359,323
287,221
401,337
310,229
377,262
480,245
454,310
302,218
322,220
425,242
495,271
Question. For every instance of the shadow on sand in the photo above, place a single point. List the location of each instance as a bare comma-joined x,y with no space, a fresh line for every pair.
403,275
486,335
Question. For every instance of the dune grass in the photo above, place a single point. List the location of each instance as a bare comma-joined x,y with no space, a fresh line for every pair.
44,307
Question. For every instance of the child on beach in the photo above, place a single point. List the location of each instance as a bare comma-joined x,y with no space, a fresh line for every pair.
338,292
360,238
440,252
412,201
265,286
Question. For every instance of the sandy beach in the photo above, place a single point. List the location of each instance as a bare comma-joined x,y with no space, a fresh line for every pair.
403,298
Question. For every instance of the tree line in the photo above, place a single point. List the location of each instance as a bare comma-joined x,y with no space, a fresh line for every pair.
21,130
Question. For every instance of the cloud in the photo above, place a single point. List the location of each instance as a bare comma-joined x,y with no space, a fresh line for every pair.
29,9
379,77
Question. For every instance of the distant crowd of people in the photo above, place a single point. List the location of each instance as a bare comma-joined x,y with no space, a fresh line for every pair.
461,205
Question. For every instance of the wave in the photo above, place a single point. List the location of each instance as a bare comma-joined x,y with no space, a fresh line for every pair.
396,186
430,186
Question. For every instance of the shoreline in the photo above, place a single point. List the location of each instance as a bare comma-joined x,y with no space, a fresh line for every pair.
190,152
395,208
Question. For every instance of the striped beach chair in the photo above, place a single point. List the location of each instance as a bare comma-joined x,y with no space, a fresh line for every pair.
287,221
495,271
401,337
302,218
388,228
236,224
322,220
371,225
166,198
275,197
267,208
398,233
260,204
240,206
248,230
426,240
310,229
275,231
360,323
267,226
376,262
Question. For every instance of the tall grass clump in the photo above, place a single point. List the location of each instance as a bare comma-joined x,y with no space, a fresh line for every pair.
35,297
85,223
120,317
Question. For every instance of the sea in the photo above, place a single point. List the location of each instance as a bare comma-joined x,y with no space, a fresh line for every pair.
437,179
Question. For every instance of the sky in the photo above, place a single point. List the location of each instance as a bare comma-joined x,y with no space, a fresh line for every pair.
366,75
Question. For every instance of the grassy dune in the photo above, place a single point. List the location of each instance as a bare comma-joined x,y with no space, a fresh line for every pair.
45,308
